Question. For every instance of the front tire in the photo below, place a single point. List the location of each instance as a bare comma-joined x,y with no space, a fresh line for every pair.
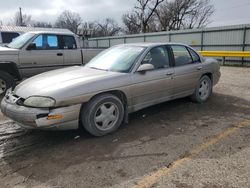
6,81
203,90
102,115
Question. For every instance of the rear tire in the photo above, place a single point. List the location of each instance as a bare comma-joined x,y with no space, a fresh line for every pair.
203,90
102,115
6,81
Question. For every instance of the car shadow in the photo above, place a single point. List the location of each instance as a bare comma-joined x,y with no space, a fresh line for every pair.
47,154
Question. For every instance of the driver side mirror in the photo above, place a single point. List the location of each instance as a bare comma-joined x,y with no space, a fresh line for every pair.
31,46
145,67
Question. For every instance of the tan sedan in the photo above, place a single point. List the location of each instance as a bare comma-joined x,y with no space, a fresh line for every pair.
100,95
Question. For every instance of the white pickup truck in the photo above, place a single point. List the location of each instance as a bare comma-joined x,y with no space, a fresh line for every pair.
39,51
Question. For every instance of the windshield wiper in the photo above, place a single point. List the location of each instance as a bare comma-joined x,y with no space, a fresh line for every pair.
6,46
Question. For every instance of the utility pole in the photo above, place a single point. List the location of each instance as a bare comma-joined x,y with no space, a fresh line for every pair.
21,17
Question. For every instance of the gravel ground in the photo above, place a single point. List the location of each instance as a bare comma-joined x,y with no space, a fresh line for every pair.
175,144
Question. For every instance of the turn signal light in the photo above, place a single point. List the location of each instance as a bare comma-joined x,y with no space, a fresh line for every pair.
51,117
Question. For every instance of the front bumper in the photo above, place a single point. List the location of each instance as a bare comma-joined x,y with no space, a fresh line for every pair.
37,118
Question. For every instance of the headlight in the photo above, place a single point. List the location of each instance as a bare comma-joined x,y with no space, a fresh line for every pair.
40,102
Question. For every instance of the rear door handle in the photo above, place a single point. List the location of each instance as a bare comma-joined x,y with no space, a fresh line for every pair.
199,68
59,54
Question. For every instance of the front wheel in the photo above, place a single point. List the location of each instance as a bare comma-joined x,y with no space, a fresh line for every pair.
203,90
102,115
6,81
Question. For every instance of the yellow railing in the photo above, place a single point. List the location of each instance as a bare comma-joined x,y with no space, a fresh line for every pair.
225,53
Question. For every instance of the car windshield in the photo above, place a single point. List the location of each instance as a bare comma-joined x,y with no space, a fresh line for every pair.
20,41
117,59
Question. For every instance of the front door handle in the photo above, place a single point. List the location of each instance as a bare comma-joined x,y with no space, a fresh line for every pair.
199,68
59,54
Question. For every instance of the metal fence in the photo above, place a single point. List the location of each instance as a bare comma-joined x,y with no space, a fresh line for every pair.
227,38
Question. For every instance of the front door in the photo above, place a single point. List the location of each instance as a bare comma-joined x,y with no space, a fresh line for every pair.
46,56
154,86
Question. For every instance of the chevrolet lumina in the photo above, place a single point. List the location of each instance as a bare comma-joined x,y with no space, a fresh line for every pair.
120,80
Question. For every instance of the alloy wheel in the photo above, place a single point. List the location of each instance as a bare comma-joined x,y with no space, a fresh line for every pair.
106,116
204,90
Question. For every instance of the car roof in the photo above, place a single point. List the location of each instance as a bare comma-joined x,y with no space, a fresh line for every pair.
150,44
52,32
19,29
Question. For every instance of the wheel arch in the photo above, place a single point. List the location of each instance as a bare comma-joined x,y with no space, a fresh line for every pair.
209,74
118,93
11,68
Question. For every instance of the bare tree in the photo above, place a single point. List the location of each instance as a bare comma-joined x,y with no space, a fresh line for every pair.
131,23
165,15
107,27
69,20
145,11
177,14
42,24
201,15
142,16
89,29
22,19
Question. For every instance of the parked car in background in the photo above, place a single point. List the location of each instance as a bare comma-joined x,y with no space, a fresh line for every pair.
120,80
39,51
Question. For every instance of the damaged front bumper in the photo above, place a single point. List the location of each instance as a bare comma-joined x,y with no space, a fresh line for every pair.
63,118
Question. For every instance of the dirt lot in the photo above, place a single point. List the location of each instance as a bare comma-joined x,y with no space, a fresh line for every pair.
176,144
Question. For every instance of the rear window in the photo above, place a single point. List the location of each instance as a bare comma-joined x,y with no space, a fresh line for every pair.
181,55
195,56
7,37
69,42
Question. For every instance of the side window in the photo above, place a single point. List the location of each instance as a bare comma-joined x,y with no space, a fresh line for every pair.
52,42
181,55
195,56
158,57
46,42
69,42
39,42
8,37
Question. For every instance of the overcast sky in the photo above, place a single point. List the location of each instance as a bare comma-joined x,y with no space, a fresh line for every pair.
228,12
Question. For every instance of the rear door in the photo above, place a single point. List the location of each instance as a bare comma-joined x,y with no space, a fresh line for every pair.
72,54
46,56
187,68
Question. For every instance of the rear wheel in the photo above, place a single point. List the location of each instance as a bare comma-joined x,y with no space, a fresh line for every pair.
6,81
203,90
102,115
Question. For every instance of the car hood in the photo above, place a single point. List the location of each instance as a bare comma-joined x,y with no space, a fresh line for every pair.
66,83
8,51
